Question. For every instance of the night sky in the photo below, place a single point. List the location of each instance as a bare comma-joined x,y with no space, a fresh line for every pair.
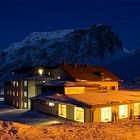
19,18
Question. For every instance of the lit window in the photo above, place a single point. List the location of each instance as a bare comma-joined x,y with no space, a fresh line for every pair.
49,73
40,71
79,114
106,114
25,93
62,110
17,103
13,93
51,104
25,83
123,113
136,109
25,104
17,93
17,84
14,83
10,92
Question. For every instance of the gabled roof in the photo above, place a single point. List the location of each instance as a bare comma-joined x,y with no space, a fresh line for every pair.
88,72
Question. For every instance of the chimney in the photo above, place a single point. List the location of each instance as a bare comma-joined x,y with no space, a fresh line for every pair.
87,65
75,65
64,62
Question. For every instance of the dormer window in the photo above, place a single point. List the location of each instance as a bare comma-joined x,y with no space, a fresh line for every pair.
40,71
99,74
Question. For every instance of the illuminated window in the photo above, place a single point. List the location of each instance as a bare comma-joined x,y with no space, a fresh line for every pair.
49,73
25,93
17,84
79,114
10,93
51,104
17,104
13,93
40,71
106,114
25,83
25,104
123,113
17,93
136,109
62,110
14,83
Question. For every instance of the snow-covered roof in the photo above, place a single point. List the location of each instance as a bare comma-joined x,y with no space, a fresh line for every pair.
108,98
89,72
58,97
94,100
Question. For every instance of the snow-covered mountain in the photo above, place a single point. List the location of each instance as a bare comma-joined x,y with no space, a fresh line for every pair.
97,44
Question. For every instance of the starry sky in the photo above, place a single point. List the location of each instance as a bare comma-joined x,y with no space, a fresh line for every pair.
18,18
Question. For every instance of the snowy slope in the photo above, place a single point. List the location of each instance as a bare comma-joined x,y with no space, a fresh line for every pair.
120,130
97,44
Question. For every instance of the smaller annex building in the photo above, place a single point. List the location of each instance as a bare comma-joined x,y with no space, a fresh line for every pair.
70,100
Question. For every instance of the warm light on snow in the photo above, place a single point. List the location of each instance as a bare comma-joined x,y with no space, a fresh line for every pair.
121,130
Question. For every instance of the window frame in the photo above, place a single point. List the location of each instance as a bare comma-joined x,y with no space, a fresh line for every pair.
79,110
25,104
123,111
25,83
62,108
25,93
106,114
136,112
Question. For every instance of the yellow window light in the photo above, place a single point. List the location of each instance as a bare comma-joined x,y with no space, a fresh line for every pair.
40,71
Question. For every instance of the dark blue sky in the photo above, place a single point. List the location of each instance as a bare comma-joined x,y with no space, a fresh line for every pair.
21,17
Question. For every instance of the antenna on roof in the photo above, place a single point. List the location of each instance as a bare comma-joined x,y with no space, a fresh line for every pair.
64,62
75,65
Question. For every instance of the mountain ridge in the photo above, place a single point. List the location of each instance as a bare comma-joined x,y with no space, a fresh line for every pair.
96,45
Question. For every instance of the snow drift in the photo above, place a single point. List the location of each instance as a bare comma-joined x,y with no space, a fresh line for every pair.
121,130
